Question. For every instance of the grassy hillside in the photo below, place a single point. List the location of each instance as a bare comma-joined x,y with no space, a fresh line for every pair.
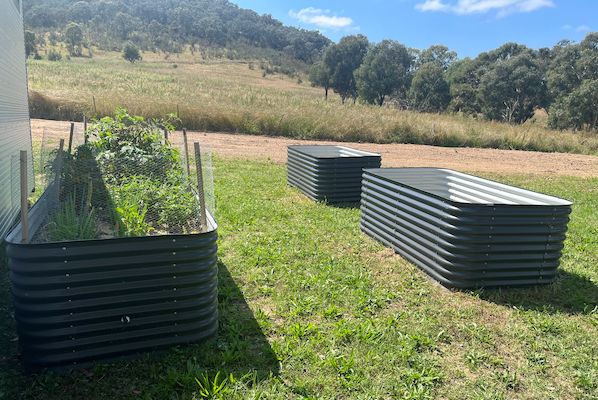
312,308
237,97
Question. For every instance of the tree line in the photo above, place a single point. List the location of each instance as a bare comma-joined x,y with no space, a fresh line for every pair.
172,25
506,84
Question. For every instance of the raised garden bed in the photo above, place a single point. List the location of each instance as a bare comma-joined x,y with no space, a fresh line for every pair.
329,173
108,269
465,231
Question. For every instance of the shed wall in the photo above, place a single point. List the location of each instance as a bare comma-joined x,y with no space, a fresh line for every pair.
15,130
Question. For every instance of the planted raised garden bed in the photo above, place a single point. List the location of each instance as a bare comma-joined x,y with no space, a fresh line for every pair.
329,173
119,259
465,231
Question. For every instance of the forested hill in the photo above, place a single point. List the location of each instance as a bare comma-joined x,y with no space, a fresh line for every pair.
170,25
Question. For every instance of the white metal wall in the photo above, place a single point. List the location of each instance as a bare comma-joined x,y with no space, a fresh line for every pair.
15,129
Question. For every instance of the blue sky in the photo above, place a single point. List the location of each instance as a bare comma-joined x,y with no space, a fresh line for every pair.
465,26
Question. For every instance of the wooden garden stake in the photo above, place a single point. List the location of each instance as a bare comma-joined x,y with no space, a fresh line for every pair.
85,129
71,137
202,198
24,195
95,110
58,169
165,135
186,152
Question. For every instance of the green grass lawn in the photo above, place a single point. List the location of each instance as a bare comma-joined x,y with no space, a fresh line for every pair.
312,308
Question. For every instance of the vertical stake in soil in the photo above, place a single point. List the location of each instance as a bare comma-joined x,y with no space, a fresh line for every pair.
24,195
202,198
85,129
71,137
58,171
165,135
95,111
186,152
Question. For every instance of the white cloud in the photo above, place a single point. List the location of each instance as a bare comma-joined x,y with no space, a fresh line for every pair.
501,7
321,18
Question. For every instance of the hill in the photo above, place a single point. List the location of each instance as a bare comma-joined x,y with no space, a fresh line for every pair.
173,25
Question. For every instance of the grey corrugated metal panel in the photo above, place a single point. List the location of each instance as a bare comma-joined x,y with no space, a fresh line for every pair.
83,301
15,133
463,230
329,173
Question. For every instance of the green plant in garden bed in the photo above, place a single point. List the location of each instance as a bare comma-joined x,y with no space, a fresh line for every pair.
131,177
72,224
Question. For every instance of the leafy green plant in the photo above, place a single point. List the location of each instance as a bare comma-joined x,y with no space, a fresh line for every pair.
211,388
70,224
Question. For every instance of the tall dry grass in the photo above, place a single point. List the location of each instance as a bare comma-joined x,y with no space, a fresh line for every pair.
228,96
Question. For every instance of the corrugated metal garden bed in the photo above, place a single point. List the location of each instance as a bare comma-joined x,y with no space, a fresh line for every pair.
329,173
118,257
465,231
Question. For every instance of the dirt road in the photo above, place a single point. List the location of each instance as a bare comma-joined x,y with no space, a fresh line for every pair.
393,155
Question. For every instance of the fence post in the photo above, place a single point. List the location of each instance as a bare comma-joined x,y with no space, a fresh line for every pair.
24,196
186,152
85,129
58,166
71,137
200,190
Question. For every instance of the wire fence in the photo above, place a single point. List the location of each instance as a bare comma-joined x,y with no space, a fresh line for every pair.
139,182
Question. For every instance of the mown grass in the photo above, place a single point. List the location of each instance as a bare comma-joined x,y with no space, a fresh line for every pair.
312,308
229,96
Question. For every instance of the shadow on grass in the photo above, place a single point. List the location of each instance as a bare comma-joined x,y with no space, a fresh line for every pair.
353,204
570,293
241,349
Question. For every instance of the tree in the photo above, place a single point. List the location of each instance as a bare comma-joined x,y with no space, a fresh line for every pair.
573,84
131,53
437,54
319,75
342,60
385,70
80,12
429,90
578,110
463,77
73,36
512,88
30,45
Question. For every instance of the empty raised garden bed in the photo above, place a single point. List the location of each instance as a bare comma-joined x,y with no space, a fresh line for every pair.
112,265
329,173
465,231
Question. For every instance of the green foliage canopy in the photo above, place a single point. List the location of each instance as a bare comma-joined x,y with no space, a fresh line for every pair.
385,70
